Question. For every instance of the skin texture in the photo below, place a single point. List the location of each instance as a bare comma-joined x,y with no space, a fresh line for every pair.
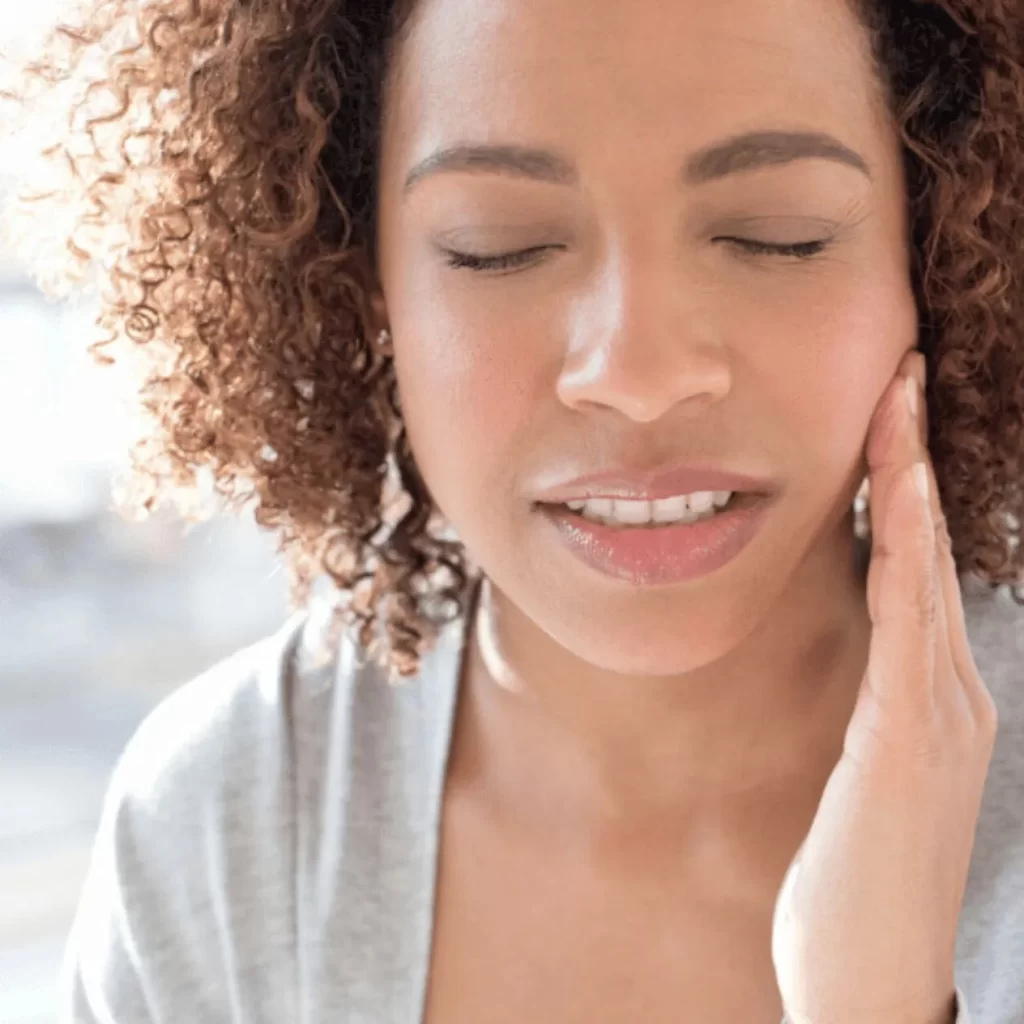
644,337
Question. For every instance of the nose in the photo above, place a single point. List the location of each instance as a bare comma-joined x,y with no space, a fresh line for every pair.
640,345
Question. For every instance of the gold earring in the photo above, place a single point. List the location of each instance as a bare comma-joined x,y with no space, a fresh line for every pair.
862,510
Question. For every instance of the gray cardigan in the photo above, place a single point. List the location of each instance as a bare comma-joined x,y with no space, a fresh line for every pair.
267,847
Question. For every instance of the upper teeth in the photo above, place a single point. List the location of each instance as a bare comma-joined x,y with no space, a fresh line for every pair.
682,508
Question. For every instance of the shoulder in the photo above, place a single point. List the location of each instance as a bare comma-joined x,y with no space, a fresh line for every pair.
178,898
270,732
264,772
990,943
213,731
995,629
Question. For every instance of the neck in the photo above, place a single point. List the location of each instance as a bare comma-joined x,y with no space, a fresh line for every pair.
548,737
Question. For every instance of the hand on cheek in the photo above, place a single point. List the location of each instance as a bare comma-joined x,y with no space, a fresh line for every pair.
865,922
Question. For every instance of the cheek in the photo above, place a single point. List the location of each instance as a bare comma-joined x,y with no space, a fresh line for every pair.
474,385
836,353
467,390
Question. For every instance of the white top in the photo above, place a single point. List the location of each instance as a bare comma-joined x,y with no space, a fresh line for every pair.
268,843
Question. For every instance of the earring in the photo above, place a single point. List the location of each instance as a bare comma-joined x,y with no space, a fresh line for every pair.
384,338
862,510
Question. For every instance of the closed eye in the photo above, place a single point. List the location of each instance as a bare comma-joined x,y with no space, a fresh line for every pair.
502,261
505,261
800,250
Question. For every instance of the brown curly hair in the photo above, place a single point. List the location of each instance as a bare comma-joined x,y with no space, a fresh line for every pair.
225,200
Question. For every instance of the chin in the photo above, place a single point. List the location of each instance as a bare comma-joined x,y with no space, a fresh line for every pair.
646,633
621,627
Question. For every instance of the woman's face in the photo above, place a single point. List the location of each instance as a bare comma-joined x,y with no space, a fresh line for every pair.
644,329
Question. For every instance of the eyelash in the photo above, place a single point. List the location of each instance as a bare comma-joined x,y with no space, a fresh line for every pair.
797,250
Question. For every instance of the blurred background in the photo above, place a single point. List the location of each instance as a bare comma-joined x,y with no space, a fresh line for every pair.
100,618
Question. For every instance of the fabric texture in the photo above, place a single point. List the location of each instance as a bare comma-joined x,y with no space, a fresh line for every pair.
268,843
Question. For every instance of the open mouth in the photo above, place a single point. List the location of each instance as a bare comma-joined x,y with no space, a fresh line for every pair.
606,514
643,549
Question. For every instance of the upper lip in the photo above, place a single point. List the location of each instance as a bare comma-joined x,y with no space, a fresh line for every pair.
652,484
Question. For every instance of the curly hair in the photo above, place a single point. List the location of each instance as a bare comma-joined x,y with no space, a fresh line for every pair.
219,162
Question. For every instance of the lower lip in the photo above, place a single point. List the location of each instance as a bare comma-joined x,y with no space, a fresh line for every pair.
648,556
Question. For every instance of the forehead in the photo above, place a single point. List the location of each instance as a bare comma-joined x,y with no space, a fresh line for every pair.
609,73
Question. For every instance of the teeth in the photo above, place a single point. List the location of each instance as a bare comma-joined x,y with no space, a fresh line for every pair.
596,508
680,509
634,513
670,510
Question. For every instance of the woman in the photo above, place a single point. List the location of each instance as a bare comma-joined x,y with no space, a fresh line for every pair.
561,338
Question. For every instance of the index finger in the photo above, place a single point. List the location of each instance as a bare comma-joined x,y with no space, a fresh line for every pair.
903,595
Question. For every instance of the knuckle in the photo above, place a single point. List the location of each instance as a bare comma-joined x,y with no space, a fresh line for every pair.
925,750
978,728
942,535
925,604
987,714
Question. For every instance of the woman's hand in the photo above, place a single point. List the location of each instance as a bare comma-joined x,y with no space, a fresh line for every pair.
865,922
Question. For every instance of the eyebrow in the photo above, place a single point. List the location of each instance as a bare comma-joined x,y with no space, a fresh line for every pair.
746,152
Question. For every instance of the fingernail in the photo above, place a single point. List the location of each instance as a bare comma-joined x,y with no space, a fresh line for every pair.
921,479
911,385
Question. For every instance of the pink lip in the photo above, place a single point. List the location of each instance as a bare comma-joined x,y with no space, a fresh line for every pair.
649,485
650,556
